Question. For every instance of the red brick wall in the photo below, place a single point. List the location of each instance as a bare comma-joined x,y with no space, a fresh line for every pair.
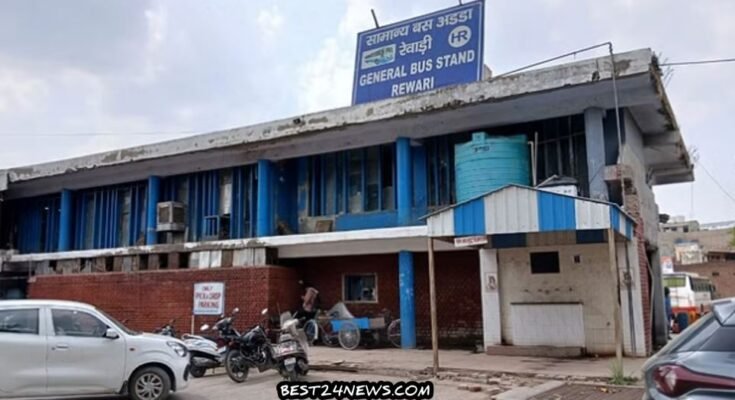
149,299
458,302
459,308
632,204
722,274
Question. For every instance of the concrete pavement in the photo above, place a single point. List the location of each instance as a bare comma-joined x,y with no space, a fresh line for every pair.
263,386
378,360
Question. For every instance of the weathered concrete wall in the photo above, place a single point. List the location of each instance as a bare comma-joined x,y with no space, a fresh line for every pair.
586,282
718,239
633,155
382,120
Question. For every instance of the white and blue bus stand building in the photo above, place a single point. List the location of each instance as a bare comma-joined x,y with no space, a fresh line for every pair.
348,198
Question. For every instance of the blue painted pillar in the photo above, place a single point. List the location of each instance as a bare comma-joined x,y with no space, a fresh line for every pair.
406,297
405,181
65,220
154,196
594,136
264,219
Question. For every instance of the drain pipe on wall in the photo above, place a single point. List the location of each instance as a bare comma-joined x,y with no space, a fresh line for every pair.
629,285
617,122
533,145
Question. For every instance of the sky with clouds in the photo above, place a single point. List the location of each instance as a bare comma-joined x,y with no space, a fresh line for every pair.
127,68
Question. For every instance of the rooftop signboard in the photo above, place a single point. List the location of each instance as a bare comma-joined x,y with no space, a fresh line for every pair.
420,54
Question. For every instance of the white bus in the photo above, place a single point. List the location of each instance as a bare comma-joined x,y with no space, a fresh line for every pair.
689,292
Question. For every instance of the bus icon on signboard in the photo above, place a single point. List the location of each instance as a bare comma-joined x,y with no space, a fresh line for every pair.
380,56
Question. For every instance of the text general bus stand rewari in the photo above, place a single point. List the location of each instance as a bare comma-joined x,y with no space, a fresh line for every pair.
421,54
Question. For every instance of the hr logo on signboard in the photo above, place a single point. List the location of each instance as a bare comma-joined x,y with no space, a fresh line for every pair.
460,36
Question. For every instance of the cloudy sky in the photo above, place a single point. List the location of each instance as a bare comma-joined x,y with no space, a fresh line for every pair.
128,68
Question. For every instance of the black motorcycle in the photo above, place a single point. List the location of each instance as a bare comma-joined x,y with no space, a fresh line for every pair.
251,350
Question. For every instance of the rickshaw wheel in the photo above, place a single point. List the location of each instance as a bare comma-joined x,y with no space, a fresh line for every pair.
349,335
394,333
311,330
329,336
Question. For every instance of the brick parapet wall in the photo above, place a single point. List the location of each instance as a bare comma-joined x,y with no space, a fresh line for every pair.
147,300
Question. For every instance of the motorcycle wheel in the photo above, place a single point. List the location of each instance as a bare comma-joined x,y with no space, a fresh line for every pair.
292,376
197,372
236,370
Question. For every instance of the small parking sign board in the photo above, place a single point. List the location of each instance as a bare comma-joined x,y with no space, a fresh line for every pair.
420,54
209,298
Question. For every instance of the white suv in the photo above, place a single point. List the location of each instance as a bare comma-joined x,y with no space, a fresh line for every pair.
59,348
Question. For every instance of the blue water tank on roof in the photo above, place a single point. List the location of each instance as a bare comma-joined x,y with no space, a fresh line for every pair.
490,162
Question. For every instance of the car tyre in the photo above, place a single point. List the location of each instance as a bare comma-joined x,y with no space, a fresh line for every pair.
150,383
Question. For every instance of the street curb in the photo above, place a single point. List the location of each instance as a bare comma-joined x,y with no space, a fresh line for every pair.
524,393
467,373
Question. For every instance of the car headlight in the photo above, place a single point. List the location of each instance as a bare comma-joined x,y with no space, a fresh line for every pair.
178,348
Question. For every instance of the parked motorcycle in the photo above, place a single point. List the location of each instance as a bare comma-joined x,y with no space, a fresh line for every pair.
210,351
291,356
168,329
251,350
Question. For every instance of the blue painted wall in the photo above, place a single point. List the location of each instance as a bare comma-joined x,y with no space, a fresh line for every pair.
202,202
404,182
98,216
420,184
36,222
371,220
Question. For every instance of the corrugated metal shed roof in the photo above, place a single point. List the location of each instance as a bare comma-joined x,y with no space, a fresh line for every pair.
522,209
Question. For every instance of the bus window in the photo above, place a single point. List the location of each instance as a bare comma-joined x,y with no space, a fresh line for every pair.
675,281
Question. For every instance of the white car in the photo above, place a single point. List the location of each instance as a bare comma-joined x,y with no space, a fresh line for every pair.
60,348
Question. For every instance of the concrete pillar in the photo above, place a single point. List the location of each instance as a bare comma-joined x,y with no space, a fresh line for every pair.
490,290
595,144
154,196
407,301
404,186
65,221
264,220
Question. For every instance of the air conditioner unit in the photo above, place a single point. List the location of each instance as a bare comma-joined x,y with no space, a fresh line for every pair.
171,217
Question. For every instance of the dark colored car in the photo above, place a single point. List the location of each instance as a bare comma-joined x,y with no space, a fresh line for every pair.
699,364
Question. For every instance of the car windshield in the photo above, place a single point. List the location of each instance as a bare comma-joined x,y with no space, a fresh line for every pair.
119,324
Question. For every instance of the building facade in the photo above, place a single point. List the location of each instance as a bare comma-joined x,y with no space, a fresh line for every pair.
338,199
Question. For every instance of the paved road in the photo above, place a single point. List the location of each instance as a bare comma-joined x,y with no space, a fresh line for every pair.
263,387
